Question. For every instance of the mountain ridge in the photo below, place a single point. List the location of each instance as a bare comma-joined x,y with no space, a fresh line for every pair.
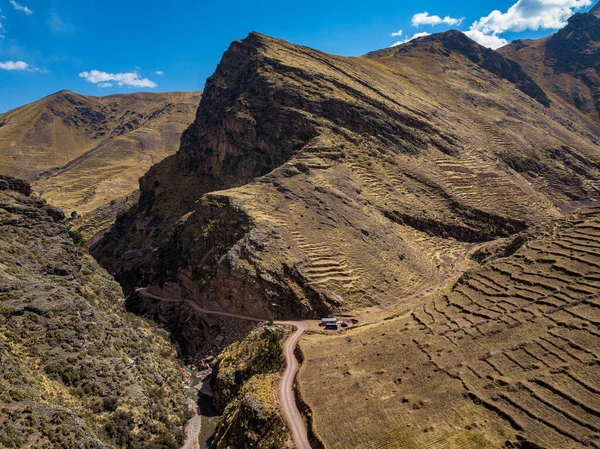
290,142
458,42
566,63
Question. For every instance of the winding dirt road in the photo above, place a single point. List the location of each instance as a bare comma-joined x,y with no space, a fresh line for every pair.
286,385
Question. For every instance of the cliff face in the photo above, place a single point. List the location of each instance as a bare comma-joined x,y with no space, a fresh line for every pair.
311,183
575,50
245,126
244,381
76,370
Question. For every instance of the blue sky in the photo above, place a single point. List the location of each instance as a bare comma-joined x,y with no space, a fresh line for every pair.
106,47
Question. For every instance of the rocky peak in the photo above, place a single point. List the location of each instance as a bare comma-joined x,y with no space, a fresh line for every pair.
246,124
596,10
449,41
577,46
455,42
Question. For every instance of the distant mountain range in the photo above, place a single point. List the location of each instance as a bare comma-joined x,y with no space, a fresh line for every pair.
82,152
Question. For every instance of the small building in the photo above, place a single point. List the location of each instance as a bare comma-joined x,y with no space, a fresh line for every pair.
331,326
326,321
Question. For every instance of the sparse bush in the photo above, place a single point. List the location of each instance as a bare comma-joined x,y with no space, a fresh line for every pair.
110,404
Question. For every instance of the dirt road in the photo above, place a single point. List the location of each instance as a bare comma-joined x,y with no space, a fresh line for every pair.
286,386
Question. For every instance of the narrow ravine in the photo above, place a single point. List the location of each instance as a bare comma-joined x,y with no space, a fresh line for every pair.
286,386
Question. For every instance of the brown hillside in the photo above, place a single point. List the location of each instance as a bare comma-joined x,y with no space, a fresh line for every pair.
311,183
507,358
566,65
83,152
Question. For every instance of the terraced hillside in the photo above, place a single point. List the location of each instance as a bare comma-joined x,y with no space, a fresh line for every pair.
84,152
507,358
311,183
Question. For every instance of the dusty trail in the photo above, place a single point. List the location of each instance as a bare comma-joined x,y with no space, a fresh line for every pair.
286,385
193,428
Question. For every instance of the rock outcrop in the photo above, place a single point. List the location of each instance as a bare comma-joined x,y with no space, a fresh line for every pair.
566,64
244,378
15,184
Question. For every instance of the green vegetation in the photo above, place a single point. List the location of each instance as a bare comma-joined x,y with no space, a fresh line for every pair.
245,374
259,353
77,370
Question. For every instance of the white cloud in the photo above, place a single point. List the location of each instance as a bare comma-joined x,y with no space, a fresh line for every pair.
131,79
159,73
11,65
487,40
524,15
415,36
18,7
104,85
424,18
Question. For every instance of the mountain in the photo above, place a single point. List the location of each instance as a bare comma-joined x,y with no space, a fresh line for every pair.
435,192
312,183
77,370
566,64
82,152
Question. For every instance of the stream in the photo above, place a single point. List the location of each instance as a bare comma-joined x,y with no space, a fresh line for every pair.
206,415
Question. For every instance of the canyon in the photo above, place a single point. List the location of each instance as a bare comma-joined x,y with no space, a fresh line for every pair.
440,196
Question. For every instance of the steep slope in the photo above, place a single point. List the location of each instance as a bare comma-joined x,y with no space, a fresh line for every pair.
508,357
76,370
311,183
566,64
84,152
244,377
456,42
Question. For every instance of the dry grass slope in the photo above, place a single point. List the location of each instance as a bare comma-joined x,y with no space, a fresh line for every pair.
84,152
509,354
